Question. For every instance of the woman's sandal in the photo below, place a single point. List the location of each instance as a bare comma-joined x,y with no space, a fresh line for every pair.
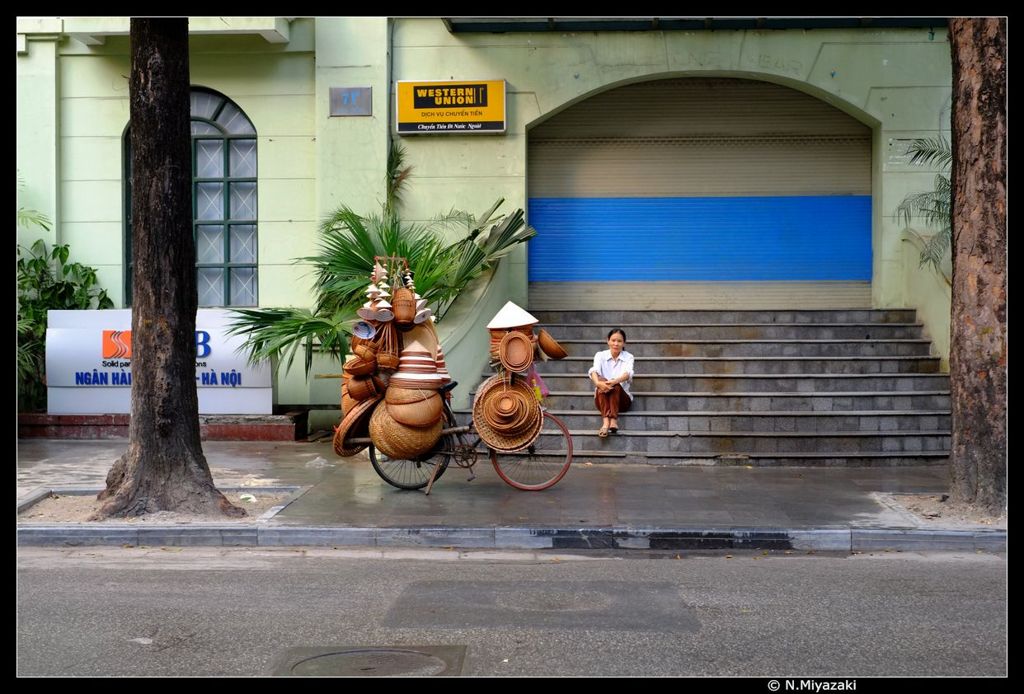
603,433
613,430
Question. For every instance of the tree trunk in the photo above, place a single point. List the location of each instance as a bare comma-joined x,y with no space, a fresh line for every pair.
978,350
164,467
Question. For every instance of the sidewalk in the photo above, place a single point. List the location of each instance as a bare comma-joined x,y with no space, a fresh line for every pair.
342,502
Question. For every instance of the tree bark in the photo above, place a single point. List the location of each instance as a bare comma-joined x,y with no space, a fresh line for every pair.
978,350
164,467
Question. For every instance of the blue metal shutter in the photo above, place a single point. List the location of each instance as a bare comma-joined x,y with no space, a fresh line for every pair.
700,180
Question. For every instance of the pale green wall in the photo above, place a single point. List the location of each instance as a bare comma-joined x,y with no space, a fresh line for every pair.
931,295
38,93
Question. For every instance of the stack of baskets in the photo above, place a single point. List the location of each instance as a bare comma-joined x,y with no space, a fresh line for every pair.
390,383
506,411
506,414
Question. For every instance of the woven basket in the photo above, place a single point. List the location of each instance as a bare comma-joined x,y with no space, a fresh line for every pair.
353,425
388,346
424,413
347,401
358,366
516,352
487,407
366,351
364,388
510,412
550,345
403,303
498,334
398,395
399,441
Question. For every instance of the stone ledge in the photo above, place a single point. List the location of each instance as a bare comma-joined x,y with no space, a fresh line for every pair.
287,427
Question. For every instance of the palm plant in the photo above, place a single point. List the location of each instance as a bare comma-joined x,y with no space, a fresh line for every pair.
28,217
350,242
932,206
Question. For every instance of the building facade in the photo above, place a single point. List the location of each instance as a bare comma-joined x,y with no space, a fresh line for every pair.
663,164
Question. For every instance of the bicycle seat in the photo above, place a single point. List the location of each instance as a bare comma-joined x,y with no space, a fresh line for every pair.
445,388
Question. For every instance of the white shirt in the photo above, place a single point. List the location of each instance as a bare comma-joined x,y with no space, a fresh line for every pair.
609,369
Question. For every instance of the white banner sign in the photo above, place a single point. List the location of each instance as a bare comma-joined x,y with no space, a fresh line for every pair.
88,365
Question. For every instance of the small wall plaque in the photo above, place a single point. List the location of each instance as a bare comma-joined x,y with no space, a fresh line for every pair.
351,101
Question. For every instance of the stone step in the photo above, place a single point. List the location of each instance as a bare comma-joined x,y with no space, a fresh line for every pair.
775,421
848,387
826,459
757,348
670,384
834,443
756,365
759,402
908,315
737,331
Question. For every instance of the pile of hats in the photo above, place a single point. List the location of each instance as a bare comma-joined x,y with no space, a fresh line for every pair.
391,379
506,412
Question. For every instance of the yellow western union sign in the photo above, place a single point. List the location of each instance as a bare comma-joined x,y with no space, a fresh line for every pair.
451,107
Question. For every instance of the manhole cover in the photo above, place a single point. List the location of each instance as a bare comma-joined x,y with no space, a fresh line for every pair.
410,661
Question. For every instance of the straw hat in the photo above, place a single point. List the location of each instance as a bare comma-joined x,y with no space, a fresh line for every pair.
367,312
511,316
364,330
442,368
423,335
354,425
417,367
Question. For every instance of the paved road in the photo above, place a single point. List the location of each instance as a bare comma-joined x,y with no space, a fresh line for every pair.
205,611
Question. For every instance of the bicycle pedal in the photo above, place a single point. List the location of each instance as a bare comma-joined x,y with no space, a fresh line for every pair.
471,478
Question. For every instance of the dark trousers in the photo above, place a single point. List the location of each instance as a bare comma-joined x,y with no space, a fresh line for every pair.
610,404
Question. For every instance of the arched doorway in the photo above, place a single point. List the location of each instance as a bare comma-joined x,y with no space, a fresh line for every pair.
700,193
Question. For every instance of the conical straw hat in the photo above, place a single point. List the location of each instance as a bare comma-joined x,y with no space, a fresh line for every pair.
511,316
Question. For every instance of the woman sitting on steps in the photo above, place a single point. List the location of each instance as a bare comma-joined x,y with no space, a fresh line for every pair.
612,374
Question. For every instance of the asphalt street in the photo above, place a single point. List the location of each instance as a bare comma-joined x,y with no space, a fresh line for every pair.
211,611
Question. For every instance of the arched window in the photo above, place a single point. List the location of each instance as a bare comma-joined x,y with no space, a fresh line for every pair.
223,202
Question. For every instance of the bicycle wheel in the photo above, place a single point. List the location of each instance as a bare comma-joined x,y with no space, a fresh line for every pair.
541,465
415,474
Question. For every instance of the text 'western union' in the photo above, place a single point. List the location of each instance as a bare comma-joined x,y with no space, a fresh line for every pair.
434,97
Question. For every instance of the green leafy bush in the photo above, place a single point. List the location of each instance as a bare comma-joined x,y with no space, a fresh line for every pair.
47,281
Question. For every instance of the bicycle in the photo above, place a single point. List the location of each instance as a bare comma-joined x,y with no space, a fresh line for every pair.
532,469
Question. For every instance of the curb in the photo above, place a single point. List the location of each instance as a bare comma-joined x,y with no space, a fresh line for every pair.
848,539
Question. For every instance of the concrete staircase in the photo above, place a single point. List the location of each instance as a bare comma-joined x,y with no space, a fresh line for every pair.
853,387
